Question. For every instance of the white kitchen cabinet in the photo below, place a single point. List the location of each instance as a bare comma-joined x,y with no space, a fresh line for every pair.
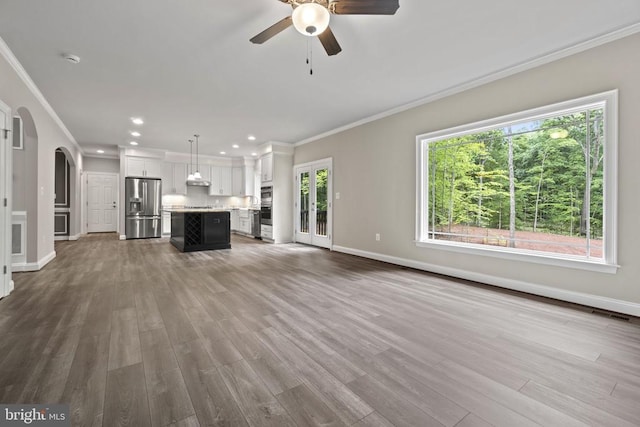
243,181
244,221
266,167
174,178
166,223
180,178
245,226
167,178
143,167
238,182
135,166
248,186
235,219
266,232
221,181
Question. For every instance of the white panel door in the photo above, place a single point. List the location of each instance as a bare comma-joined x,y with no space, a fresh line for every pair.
5,211
102,202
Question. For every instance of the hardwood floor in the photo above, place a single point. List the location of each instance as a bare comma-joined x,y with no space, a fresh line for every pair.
134,333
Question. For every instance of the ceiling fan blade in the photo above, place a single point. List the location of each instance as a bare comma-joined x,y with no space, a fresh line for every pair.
329,42
272,30
364,7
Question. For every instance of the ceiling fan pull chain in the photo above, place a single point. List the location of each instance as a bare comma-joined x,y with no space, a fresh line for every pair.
309,56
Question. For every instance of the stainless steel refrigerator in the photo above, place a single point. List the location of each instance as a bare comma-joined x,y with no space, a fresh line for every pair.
143,199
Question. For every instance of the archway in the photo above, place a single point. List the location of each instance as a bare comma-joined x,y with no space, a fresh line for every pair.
66,195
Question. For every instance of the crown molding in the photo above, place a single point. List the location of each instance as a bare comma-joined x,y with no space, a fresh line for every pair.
500,74
8,55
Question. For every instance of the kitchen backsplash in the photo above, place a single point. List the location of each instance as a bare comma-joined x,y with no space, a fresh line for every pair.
199,196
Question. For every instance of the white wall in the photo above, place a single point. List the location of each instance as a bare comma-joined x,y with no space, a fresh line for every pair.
15,93
375,173
95,164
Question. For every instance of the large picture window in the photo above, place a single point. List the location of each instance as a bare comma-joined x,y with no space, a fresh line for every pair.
538,185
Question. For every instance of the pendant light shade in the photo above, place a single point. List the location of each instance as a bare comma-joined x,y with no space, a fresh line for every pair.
310,19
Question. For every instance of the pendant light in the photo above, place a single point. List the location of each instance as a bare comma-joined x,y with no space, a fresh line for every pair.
195,178
197,175
191,177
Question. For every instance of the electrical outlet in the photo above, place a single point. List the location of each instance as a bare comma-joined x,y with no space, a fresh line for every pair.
377,237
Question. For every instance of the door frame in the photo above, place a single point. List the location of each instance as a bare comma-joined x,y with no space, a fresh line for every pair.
317,164
85,199
6,184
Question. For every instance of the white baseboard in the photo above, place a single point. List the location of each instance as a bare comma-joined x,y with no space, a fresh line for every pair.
60,238
605,303
33,266
74,237
123,237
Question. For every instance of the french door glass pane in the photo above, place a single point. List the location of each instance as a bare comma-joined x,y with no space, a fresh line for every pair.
304,202
321,201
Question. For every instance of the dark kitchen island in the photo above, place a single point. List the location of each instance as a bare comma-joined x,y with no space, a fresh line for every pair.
200,230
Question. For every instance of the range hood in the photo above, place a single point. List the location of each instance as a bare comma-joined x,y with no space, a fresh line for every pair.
198,182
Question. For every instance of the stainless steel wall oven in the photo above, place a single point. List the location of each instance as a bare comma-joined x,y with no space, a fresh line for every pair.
265,215
266,195
266,200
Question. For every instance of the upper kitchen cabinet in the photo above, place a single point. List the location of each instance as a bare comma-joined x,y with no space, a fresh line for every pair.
221,181
266,167
174,178
143,167
237,181
243,181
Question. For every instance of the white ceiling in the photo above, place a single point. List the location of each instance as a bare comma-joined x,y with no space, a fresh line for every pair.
188,66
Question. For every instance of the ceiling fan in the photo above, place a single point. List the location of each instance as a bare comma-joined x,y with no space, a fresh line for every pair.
311,18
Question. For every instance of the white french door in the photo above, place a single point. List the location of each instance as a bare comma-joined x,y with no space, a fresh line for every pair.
313,203
102,202
6,155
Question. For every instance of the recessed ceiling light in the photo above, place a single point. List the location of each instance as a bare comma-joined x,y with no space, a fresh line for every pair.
251,138
223,152
235,146
100,151
254,154
137,120
133,143
136,134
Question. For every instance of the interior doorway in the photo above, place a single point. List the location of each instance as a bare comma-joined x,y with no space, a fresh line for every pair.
6,148
102,202
313,203
62,203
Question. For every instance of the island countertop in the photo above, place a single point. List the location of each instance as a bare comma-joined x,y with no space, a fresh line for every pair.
184,210
204,209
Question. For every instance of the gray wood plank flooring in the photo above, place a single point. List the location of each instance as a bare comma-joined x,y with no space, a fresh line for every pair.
135,333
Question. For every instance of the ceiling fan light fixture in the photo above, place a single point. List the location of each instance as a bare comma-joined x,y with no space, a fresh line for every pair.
310,19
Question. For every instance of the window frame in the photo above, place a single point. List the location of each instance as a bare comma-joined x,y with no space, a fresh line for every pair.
608,264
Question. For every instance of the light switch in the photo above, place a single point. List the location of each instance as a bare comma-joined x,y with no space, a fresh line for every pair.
337,196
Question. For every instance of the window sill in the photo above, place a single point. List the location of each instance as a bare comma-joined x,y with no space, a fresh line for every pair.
523,256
